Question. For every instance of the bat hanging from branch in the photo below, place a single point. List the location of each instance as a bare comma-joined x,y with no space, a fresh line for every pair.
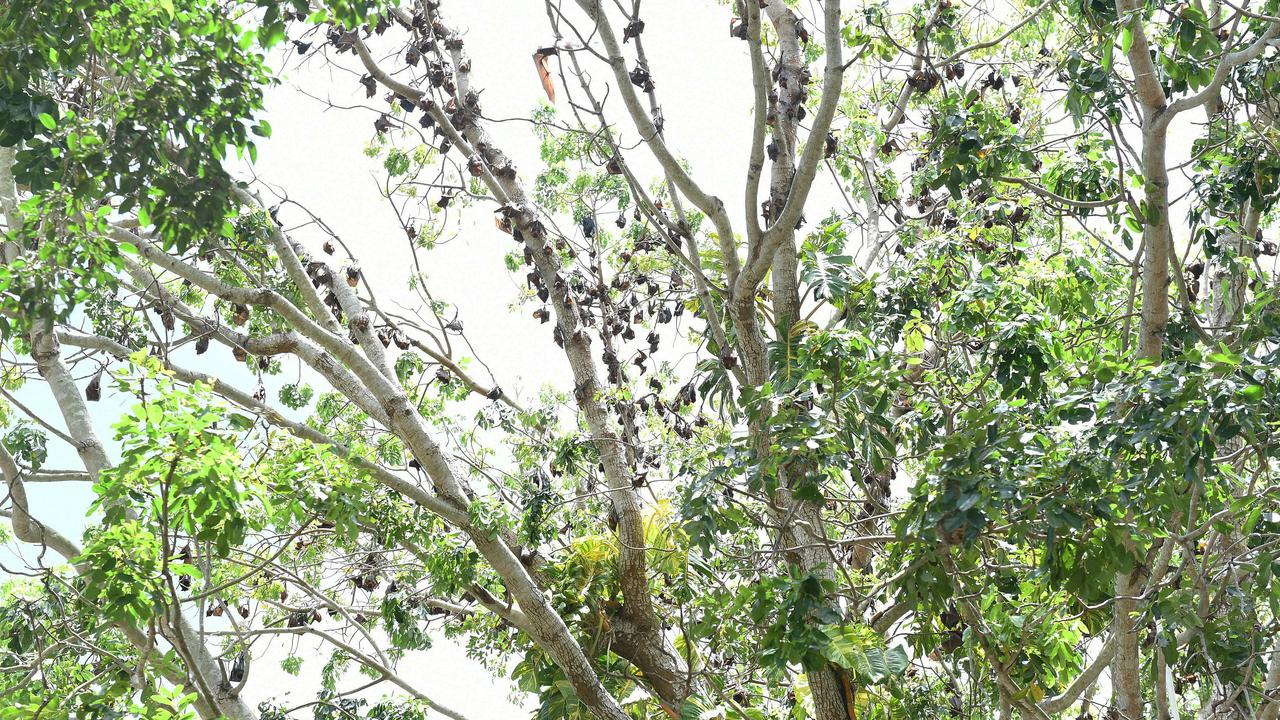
540,62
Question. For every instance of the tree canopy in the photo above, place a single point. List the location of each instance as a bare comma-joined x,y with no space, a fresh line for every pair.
956,403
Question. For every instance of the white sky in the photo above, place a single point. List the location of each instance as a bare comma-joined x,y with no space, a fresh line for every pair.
318,157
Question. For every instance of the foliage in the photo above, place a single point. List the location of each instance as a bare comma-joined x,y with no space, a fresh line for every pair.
930,451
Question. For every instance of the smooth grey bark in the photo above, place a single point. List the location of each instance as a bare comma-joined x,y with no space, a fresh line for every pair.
1157,114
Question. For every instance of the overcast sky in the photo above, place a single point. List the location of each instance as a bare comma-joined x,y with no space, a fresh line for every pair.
318,156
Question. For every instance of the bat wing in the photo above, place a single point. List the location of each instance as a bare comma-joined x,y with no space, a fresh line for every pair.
540,62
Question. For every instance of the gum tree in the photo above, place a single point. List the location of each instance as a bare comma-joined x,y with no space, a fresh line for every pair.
959,403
